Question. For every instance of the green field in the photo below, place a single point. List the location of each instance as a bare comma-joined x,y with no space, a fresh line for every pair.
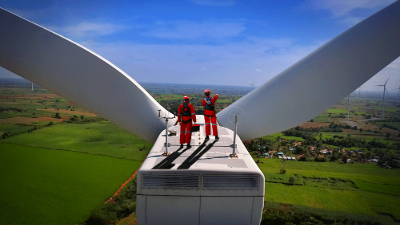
393,124
169,97
42,186
387,108
20,102
100,138
338,111
349,188
275,136
62,173
59,172
15,128
323,118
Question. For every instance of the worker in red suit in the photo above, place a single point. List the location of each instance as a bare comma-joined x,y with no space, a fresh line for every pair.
185,116
209,114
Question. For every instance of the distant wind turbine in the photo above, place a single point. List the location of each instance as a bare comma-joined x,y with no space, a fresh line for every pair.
348,105
252,85
33,90
383,102
359,94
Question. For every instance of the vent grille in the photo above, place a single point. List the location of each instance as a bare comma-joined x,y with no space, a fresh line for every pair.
231,181
170,181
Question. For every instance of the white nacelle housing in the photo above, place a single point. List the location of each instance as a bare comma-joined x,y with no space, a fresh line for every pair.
201,185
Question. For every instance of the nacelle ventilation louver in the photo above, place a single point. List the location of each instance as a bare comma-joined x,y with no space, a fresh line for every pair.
209,181
170,181
231,181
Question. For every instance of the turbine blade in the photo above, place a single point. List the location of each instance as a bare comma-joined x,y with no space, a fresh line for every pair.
387,80
335,70
77,74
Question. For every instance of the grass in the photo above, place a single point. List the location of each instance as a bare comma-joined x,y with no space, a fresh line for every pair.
46,178
314,197
130,220
228,100
323,118
387,108
42,186
357,168
30,112
295,214
363,135
343,111
357,171
393,124
30,106
357,202
378,188
15,128
100,138
169,97
352,188
275,136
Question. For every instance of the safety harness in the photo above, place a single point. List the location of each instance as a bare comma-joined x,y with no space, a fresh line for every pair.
186,112
209,106
185,109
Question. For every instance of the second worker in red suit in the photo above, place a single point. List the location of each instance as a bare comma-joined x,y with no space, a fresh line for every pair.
185,116
209,114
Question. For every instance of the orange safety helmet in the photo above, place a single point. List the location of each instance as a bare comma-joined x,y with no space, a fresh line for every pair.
186,97
207,92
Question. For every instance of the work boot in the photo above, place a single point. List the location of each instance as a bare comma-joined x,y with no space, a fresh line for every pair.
181,145
216,138
189,146
207,138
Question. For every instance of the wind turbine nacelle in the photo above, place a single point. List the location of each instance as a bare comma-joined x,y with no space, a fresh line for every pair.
201,185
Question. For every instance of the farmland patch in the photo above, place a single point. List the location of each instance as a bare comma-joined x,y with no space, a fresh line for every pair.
100,138
69,112
308,125
362,189
44,186
28,120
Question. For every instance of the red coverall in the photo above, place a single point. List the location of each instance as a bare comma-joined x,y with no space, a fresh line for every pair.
186,123
210,114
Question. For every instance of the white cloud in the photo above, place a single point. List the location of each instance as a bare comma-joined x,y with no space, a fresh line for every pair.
214,2
190,29
272,42
90,29
229,64
351,21
344,7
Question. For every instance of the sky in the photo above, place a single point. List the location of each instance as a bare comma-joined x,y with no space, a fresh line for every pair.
222,42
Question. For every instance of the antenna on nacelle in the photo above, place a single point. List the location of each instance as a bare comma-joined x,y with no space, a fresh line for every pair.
235,116
166,117
33,90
